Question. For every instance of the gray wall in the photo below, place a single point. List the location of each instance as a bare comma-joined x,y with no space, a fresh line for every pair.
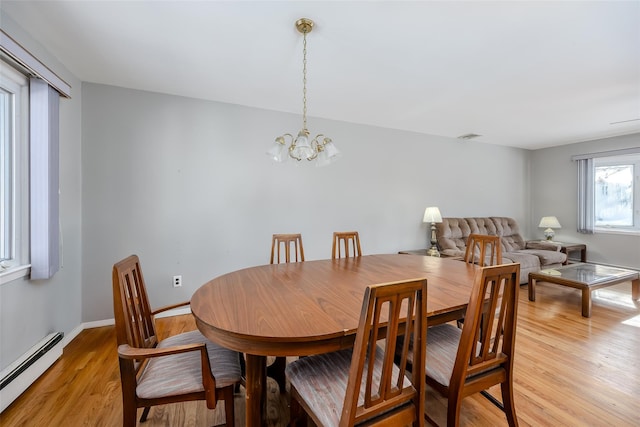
186,185
31,310
554,184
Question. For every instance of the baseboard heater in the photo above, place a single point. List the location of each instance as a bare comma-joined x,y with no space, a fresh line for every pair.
17,377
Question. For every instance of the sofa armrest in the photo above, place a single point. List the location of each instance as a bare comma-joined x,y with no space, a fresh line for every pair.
538,244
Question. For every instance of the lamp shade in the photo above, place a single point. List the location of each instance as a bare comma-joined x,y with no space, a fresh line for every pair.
549,222
279,151
432,214
330,148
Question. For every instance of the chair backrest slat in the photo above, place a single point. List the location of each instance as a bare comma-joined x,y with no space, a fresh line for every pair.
285,241
483,250
391,313
135,324
489,329
347,240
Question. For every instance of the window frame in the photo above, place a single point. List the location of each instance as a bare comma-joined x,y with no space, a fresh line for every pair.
17,264
43,226
587,186
634,161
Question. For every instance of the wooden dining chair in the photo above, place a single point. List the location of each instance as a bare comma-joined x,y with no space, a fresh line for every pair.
285,242
350,243
483,250
467,361
363,384
180,368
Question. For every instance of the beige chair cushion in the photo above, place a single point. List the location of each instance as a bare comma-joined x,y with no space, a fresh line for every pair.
321,382
442,349
182,373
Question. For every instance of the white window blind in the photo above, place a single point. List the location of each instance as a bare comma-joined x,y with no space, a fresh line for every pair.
44,179
585,196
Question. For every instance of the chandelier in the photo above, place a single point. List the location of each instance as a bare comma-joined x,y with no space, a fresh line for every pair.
321,148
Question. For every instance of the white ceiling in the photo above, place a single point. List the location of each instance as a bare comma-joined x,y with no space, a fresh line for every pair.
528,74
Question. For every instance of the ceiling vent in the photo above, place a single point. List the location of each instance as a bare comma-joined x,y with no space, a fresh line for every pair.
469,136
624,121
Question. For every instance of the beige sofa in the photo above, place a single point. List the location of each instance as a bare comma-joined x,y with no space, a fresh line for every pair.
452,234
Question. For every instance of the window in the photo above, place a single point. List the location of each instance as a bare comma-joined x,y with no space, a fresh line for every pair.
614,192
31,206
14,170
609,191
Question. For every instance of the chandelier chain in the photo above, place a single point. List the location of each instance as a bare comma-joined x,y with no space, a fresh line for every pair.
304,80
300,147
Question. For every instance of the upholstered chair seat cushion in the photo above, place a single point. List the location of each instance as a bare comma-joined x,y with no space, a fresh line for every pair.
185,368
321,382
442,348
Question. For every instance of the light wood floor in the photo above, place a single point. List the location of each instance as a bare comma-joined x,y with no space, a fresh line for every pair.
569,371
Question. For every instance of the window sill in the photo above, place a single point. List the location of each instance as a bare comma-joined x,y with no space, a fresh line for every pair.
12,273
617,231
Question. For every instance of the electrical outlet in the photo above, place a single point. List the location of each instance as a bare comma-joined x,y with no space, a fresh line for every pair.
177,281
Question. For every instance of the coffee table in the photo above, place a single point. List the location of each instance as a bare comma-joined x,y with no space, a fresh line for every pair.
586,277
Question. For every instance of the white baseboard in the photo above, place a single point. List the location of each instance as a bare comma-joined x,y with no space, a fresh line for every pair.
97,324
175,312
27,377
109,322
71,335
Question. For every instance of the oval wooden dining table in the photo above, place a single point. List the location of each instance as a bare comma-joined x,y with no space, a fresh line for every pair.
311,307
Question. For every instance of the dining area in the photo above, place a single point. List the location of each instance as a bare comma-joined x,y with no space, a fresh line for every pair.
559,378
298,310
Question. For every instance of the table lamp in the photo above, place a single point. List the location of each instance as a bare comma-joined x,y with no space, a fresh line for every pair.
432,215
549,222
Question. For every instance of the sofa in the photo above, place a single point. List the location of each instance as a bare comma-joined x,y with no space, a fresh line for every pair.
452,234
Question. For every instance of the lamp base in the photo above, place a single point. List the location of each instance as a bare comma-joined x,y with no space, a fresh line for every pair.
433,250
549,233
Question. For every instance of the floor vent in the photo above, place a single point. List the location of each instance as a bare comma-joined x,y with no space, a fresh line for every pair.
23,372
